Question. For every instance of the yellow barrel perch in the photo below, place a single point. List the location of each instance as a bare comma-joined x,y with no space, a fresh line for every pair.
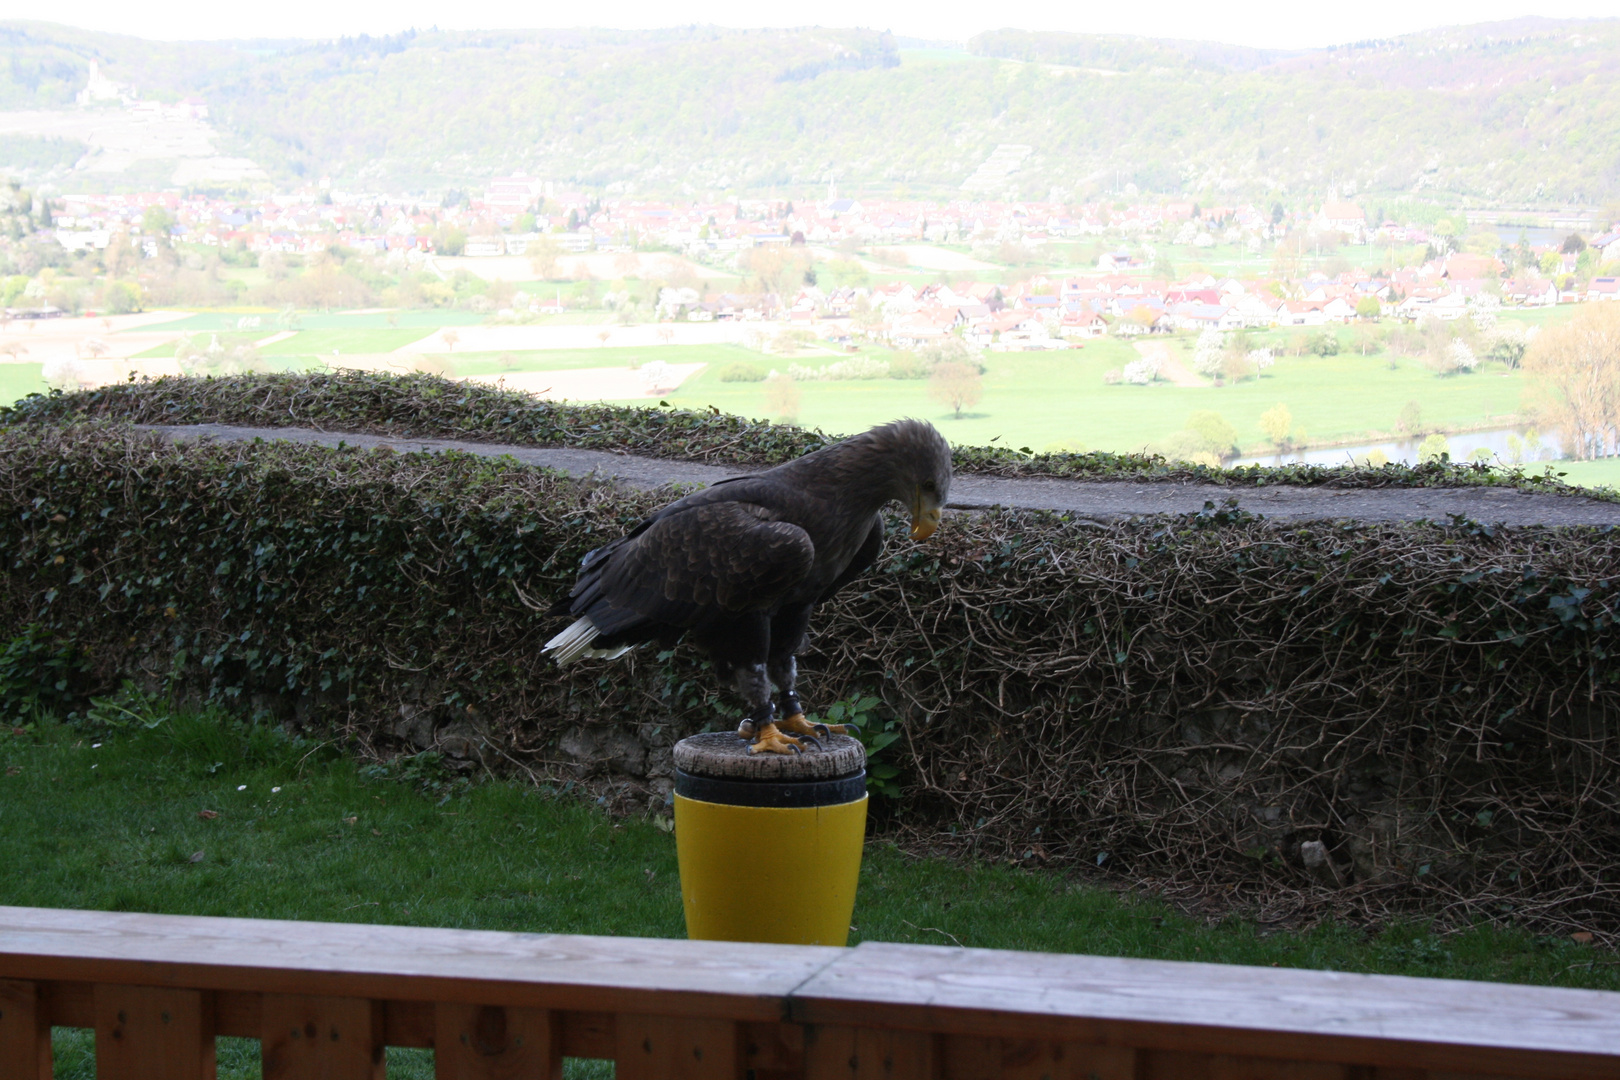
769,844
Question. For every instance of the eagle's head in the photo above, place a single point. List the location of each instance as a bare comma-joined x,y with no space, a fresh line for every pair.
919,467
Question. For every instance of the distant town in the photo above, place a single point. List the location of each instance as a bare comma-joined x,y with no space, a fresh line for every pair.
1007,273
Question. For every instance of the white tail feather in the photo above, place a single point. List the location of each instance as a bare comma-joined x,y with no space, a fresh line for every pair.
575,642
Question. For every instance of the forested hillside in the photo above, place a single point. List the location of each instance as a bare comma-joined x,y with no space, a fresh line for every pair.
1520,111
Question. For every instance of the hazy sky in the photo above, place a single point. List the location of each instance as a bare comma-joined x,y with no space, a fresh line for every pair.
1285,23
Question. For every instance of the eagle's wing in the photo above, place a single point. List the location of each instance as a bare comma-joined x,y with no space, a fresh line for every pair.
697,564
868,554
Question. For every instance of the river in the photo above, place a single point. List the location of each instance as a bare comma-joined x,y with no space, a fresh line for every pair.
1531,448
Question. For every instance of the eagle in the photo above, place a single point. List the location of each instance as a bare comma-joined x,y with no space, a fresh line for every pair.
739,567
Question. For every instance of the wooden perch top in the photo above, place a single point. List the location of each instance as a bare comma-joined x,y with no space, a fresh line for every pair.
723,755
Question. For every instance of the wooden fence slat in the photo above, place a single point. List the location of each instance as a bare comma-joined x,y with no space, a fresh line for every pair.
1175,1065
152,1033
965,1057
588,1034
321,1038
25,1032
774,1051
68,1004
848,1053
488,1042
409,1023
678,1048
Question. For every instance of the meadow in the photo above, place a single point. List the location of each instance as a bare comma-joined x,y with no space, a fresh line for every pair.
1053,400
1059,399
140,807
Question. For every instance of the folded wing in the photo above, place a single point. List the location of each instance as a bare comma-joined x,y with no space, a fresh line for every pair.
695,565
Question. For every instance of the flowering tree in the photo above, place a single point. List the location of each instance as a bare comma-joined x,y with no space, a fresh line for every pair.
1461,356
1141,372
1209,355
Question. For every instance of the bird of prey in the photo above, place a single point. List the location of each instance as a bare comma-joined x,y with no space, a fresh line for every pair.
740,566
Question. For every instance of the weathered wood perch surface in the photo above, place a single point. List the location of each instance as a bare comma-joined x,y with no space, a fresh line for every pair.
326,998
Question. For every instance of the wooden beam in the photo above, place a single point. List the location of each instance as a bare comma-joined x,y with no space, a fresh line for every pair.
1042,1010
25,1032
732,980
1269,1013
677,1048
153,1033
321,1038
489,1042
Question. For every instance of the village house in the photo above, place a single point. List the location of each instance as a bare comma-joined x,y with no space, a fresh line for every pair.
1345,218
1530,292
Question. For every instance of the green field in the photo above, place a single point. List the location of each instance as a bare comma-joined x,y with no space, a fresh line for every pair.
315,342
1049,398
496,363
428,319
1601,473
20,380
322,342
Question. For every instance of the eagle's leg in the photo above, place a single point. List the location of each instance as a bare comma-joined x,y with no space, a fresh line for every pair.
784,673
789,630
759,729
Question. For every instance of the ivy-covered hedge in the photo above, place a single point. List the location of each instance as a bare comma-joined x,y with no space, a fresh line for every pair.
427,406
1376,717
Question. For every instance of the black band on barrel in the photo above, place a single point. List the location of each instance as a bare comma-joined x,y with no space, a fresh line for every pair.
771,793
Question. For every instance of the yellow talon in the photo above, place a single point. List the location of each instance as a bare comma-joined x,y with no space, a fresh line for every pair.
798,725
769,740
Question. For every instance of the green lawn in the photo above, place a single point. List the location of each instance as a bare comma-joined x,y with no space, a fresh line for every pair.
1050,398
20,380
203,815
321,342
428,319
318,342
1602,473
495,363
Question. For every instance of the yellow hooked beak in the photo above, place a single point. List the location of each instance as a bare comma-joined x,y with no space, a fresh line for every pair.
925,513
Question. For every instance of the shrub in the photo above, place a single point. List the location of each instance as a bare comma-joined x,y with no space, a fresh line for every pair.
40,671
1323,343
1180,702
856,367
741,372
908,366
1141,372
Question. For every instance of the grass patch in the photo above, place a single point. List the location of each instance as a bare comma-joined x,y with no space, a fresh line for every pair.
321,342
269,320
1059,398
17,381
504,363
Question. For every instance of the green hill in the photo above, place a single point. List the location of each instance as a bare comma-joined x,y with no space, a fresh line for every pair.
1508,112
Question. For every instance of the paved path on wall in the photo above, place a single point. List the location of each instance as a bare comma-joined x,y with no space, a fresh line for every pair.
1096,500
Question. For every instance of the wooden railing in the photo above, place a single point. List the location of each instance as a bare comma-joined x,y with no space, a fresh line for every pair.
326,998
